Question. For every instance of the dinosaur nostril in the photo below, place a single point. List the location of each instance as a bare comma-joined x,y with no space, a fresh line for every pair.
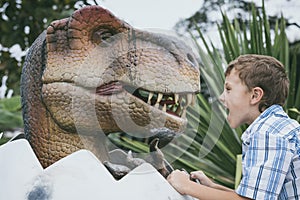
191,60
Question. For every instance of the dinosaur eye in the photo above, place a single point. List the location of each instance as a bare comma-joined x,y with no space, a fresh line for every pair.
191,60
101,36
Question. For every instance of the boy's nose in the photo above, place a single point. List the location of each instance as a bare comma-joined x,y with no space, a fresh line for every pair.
222,98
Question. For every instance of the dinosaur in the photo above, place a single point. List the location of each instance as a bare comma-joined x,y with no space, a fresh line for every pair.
93,74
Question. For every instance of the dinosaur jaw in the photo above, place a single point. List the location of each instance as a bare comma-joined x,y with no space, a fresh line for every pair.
114,107
174,104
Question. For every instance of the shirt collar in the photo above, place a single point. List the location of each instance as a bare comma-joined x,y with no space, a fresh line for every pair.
272,110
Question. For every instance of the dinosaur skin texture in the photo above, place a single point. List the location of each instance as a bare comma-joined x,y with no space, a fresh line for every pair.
93,74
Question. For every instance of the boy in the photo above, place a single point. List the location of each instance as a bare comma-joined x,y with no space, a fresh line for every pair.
255,90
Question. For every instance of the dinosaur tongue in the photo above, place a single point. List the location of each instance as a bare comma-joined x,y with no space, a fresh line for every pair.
108,89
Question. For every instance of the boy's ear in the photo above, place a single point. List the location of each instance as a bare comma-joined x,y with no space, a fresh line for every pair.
257,94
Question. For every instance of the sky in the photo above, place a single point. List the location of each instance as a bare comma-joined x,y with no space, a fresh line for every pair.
144,14
290,10
163,14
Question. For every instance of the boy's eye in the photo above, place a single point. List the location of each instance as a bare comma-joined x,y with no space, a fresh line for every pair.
227,89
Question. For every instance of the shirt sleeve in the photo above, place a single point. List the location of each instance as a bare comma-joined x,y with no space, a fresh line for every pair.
266,161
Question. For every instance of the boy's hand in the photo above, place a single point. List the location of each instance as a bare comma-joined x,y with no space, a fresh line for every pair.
204,180
179,180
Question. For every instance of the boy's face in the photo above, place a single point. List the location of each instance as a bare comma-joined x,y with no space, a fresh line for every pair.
237,99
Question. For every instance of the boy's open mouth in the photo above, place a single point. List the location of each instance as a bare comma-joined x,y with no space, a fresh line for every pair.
227,111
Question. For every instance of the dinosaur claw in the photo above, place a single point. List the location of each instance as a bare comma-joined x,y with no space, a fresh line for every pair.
158,158
164,135
153,145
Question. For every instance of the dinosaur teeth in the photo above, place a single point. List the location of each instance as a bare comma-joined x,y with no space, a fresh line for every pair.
178,110
189,99
165,108
176,98
159,97
176,103
150,97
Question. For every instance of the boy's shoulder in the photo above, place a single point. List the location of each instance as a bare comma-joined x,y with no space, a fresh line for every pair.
275,120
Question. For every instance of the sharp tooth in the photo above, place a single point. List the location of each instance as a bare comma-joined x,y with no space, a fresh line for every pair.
176,97
189,99
165,108
150,97
159,97
178,110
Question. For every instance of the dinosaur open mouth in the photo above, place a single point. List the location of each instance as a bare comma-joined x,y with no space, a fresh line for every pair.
172,103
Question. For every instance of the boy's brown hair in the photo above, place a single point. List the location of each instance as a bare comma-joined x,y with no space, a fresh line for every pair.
265,72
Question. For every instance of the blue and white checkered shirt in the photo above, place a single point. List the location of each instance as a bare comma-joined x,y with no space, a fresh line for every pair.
271,163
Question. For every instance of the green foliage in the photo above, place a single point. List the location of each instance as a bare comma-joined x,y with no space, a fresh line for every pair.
33,16
11,115
3,140
235,41
213,145
260,42
209,144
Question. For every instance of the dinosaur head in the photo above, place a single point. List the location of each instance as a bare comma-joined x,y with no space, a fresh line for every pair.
102,73
93,73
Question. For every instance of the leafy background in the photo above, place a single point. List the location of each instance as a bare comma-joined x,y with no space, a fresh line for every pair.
213,145
238,37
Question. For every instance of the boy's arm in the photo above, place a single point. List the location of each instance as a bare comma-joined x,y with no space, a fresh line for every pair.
207,193
207,182
181,182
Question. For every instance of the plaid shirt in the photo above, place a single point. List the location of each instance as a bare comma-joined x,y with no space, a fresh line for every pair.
271,163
